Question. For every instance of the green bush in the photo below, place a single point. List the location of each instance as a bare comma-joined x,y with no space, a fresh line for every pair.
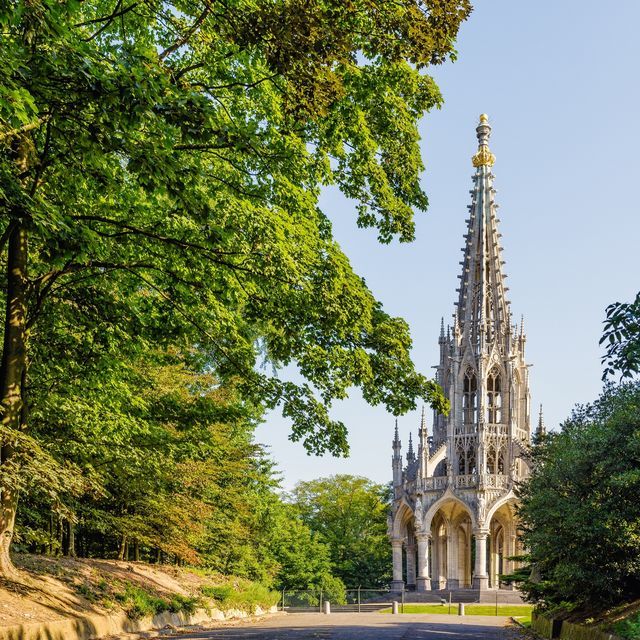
243,595
221,593
334,590
629,628
183,603
87,592
139,603
579,509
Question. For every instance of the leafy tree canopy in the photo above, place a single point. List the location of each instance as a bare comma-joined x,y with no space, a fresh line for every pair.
163,162
350,514
166,469
581,506
160,167
621,338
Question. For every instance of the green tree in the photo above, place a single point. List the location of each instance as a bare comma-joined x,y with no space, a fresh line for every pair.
303,558
160,165
621,338
161,453
349,513
165,467
581,506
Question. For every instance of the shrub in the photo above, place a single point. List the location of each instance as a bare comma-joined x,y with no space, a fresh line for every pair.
139,603
580,507
629,628
245,595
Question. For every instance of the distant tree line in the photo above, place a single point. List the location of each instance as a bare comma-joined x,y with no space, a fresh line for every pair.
167,471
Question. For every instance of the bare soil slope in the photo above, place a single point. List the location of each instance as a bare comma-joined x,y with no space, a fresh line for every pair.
47,589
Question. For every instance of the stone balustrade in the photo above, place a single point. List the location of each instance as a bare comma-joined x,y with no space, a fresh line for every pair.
488,480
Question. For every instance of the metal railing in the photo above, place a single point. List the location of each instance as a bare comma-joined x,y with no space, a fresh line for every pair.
363,600
357,600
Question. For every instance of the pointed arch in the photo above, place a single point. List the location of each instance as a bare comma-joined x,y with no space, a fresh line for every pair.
469,397
510,498
500,461
439,455
402,516
494,395
491,460
447,497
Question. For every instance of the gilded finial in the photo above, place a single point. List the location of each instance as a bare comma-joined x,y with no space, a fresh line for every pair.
484,157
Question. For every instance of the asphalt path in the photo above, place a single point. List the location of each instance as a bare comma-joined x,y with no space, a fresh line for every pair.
360,626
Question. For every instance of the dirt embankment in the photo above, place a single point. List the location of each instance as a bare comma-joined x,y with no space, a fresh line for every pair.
48,589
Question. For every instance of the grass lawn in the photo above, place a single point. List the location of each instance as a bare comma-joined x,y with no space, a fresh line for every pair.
520,611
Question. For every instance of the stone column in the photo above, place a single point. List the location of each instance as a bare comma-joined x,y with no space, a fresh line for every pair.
397,583
453,581
410,551
436,561
512,565
423,582
480,578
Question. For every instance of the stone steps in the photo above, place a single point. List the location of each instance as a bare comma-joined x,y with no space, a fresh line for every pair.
486,596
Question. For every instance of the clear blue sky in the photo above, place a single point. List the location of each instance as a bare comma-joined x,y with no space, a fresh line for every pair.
559,81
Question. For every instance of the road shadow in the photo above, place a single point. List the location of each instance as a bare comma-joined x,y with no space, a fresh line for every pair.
370,629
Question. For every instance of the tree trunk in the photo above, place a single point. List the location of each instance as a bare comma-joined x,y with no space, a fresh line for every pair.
60,532
12,370
136,551
123,548
50,530
71,540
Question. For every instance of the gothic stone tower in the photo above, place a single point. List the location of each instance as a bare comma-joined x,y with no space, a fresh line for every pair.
454,499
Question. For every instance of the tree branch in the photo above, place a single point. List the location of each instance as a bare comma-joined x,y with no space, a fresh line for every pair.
116,12
185,38
12,133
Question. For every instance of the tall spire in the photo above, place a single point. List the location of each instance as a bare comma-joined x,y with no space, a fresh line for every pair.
541,430
423,434
423,446
483,310
396,441
411,456
396,460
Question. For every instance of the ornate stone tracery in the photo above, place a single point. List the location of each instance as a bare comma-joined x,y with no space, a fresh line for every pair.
461,481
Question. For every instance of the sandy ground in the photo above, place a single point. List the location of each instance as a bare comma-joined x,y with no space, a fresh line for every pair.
46,589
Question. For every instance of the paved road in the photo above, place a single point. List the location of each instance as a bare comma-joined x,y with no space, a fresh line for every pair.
360,626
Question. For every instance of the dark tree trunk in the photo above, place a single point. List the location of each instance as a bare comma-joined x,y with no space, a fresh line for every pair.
14,362
51,526
71,540
122,551
60,532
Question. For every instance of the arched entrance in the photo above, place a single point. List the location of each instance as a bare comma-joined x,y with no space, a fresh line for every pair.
450,534
404,550
502,543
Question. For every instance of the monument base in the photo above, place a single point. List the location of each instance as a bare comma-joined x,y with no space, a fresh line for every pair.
423,584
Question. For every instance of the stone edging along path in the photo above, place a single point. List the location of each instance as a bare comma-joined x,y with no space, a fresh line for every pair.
95,626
